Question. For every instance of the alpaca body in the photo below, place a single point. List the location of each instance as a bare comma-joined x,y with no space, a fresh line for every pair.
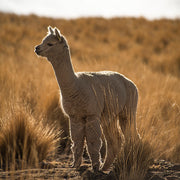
91,95
96,102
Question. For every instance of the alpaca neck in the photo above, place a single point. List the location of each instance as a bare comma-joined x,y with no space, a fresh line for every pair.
64,72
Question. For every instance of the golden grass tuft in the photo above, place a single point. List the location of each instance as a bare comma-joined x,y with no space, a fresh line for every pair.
24,142
133,161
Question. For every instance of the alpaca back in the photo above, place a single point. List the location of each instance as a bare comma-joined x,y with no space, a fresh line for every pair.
108,88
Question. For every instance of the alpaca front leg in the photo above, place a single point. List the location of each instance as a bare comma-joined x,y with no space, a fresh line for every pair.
78,137
93,138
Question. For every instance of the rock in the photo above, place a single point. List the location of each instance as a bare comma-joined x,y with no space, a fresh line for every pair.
47,165
163,170
175,167
172,178
156,177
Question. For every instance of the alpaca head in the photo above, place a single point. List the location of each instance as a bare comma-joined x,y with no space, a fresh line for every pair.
52,44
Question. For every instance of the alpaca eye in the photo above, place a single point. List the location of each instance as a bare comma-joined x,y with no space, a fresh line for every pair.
49,44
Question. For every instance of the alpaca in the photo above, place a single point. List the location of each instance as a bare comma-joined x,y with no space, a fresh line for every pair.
96,102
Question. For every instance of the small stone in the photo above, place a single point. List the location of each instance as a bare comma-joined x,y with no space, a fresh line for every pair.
175,167
172,178
156,177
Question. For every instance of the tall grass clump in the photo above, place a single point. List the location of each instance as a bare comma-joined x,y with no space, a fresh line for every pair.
53,113
24,142
135,153
133,160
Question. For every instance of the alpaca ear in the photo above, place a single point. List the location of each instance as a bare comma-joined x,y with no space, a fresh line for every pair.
57,32
50,29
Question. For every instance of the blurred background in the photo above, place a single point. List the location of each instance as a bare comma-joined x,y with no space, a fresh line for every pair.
150,9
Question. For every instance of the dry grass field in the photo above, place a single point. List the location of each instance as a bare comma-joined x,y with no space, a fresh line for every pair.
147,52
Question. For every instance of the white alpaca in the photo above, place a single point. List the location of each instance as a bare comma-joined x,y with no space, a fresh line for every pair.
93,101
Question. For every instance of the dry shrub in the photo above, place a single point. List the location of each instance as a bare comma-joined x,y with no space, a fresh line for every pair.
54,114
24,141
133,161
135,153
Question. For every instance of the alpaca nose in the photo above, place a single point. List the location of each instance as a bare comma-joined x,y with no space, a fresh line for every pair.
37,49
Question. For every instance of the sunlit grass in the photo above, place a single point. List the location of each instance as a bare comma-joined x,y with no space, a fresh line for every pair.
25,142
145,51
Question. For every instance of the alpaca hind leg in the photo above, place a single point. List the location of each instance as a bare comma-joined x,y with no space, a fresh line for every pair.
127,121
131,110
124,123
115,139
93,138
103,147
134,130
78,138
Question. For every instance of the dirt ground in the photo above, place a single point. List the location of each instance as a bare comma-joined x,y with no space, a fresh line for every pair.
61,169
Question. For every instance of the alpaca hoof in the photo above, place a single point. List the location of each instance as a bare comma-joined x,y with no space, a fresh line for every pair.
72,165
104,168
75,165
76,168
96,168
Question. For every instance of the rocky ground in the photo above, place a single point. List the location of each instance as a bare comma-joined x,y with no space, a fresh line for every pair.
163,170
61,169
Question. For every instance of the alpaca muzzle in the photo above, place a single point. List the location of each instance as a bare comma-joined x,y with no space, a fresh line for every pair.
37,50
